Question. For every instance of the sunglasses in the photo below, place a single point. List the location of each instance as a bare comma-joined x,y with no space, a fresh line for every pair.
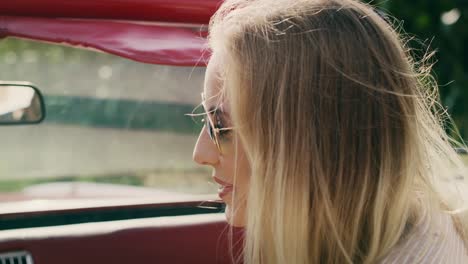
211,128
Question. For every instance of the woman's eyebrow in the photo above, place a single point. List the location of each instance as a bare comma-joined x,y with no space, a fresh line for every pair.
214,110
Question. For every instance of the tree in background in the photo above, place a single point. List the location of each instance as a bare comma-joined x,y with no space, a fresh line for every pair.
441,26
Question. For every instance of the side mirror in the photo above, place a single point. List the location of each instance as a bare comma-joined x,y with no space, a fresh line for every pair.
20,103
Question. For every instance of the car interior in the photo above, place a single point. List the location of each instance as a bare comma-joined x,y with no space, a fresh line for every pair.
96,162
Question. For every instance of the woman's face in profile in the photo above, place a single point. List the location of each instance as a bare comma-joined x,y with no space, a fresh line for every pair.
227,158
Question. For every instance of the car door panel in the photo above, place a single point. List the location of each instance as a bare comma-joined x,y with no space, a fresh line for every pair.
202,238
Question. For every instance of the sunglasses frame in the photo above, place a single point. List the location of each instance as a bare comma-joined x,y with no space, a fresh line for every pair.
212,130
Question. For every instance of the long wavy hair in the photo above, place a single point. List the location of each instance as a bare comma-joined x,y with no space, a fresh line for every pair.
342,128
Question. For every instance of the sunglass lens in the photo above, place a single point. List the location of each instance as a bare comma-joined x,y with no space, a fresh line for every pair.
209,127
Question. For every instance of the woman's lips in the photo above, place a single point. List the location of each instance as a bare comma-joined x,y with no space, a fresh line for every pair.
224,189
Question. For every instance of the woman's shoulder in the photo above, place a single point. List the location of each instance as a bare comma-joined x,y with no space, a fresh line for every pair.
434,239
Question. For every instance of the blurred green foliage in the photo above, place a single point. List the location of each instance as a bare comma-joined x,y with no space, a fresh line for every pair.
120,113
441,26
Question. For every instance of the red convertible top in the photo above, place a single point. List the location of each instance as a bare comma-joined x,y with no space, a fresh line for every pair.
167,32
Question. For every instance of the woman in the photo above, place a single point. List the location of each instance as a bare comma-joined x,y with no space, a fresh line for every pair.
325,138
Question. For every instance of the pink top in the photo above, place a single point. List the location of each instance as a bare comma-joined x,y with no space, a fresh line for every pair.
436,243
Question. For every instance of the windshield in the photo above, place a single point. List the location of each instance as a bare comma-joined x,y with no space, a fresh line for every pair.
114,128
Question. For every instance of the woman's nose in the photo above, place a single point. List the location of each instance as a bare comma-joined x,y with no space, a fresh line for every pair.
205,151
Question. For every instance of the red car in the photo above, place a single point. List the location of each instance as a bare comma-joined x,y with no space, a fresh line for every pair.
102,173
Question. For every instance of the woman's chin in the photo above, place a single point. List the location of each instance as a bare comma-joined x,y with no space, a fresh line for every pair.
236,218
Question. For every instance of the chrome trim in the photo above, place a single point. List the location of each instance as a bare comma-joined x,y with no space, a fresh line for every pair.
21,257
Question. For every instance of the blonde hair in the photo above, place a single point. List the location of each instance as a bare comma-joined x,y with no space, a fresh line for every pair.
342,129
